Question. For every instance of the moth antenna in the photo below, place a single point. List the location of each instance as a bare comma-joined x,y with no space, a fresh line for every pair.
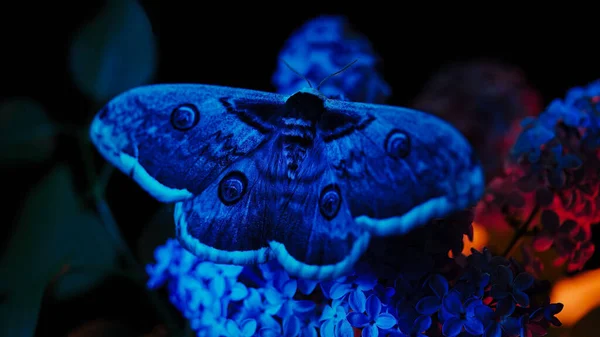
337,72
297,73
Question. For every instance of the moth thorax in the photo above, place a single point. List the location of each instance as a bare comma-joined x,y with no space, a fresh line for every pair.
303,111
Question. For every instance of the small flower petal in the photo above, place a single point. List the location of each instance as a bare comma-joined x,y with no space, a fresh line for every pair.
273,296
499,291
232,328
266,332
544,196
291,326
484,313
357,301
357,320
493,330
452,327
328,313
373,306
230,271
471,304
343,329
542,242
370,331
505,307
238,291
473,326
248,327
338,290
504,276
453,304
309,331
217,286
340,311
289,288
568,226
550,220
428,305
366,281
521,298
303,306
555,321
555,308
207,270
385,321
422,323
439,285
327,328
306,287
512,326
523,281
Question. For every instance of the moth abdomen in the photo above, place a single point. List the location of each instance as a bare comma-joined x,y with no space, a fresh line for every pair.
295,145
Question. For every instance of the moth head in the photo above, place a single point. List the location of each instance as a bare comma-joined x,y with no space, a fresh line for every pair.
307,104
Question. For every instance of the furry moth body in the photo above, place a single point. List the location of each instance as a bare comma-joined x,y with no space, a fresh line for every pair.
303,179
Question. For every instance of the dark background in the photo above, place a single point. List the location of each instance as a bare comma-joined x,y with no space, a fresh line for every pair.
235,47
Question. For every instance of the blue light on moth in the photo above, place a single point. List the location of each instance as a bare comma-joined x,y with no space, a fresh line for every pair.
299,178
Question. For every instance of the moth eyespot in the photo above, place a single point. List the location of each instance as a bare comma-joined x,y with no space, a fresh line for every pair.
397,144
232,188
185,117
330,201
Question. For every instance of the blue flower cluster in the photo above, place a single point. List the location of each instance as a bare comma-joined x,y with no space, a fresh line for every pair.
578,114
580,109
555,171
322,47
488,296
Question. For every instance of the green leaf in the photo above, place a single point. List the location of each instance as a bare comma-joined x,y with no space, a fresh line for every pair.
114,52
20,306
94,257
53,231
41,238
19,312
26,133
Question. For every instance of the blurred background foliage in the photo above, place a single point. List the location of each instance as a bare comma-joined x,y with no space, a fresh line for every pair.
76,234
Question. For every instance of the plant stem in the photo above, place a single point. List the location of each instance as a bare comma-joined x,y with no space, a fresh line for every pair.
521,232
101,206
110,225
